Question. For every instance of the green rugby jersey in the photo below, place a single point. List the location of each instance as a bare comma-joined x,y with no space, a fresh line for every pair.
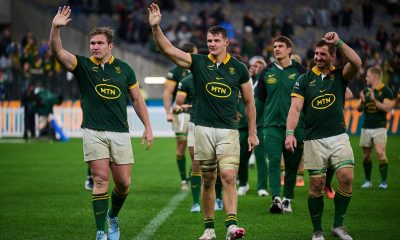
324,99
175,75
46,101
275,84
217,90
186,87
373,118
104,93
243,123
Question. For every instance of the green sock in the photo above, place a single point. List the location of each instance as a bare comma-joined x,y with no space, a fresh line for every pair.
315,207
367,169
209,223
100,207
218,188
342,200
383,169
195,182
181,166
231,219
116,203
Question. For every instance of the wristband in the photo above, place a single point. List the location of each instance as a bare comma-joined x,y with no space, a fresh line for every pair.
339,43
289,132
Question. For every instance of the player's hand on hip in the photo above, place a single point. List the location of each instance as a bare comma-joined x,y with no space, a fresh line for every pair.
154,15
62,16
331,37
148,138
290,143
252,142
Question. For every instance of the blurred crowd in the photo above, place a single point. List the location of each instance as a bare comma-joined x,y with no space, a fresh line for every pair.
26,62
381,46
30,61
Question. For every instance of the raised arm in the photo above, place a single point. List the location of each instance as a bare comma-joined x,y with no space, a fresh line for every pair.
141,110
292,121
354,61
64,57
249,106
176,55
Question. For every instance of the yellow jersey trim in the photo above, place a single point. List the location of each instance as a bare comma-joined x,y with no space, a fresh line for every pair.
170,81
134,86
380,86
182,93
297,95
318,72
97,62
212,59
75,63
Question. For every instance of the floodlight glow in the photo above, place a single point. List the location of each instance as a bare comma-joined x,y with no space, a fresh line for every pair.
154,80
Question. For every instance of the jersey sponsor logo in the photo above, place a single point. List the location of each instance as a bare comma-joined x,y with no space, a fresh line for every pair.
108,91
218,90
312,83
271,75
95,68
292,76
117,70
210,67
370,107
219,78
106,79
323,101
232,71
322,90
271,80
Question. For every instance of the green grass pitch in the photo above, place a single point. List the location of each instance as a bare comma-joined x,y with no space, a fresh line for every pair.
42,197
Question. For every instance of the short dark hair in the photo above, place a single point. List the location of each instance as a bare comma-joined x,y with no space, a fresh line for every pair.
331,46
107,31
285,40
218,29
188,47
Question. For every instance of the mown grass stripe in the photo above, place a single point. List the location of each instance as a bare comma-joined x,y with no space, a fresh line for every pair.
152,227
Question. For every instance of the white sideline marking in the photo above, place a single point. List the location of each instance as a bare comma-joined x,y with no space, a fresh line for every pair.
12,141
152,227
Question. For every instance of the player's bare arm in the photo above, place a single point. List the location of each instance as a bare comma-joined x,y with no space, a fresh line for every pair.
176,55
292,121
246,91
179,104
349,94
354,61
169,87
385,106
141,110
61,19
